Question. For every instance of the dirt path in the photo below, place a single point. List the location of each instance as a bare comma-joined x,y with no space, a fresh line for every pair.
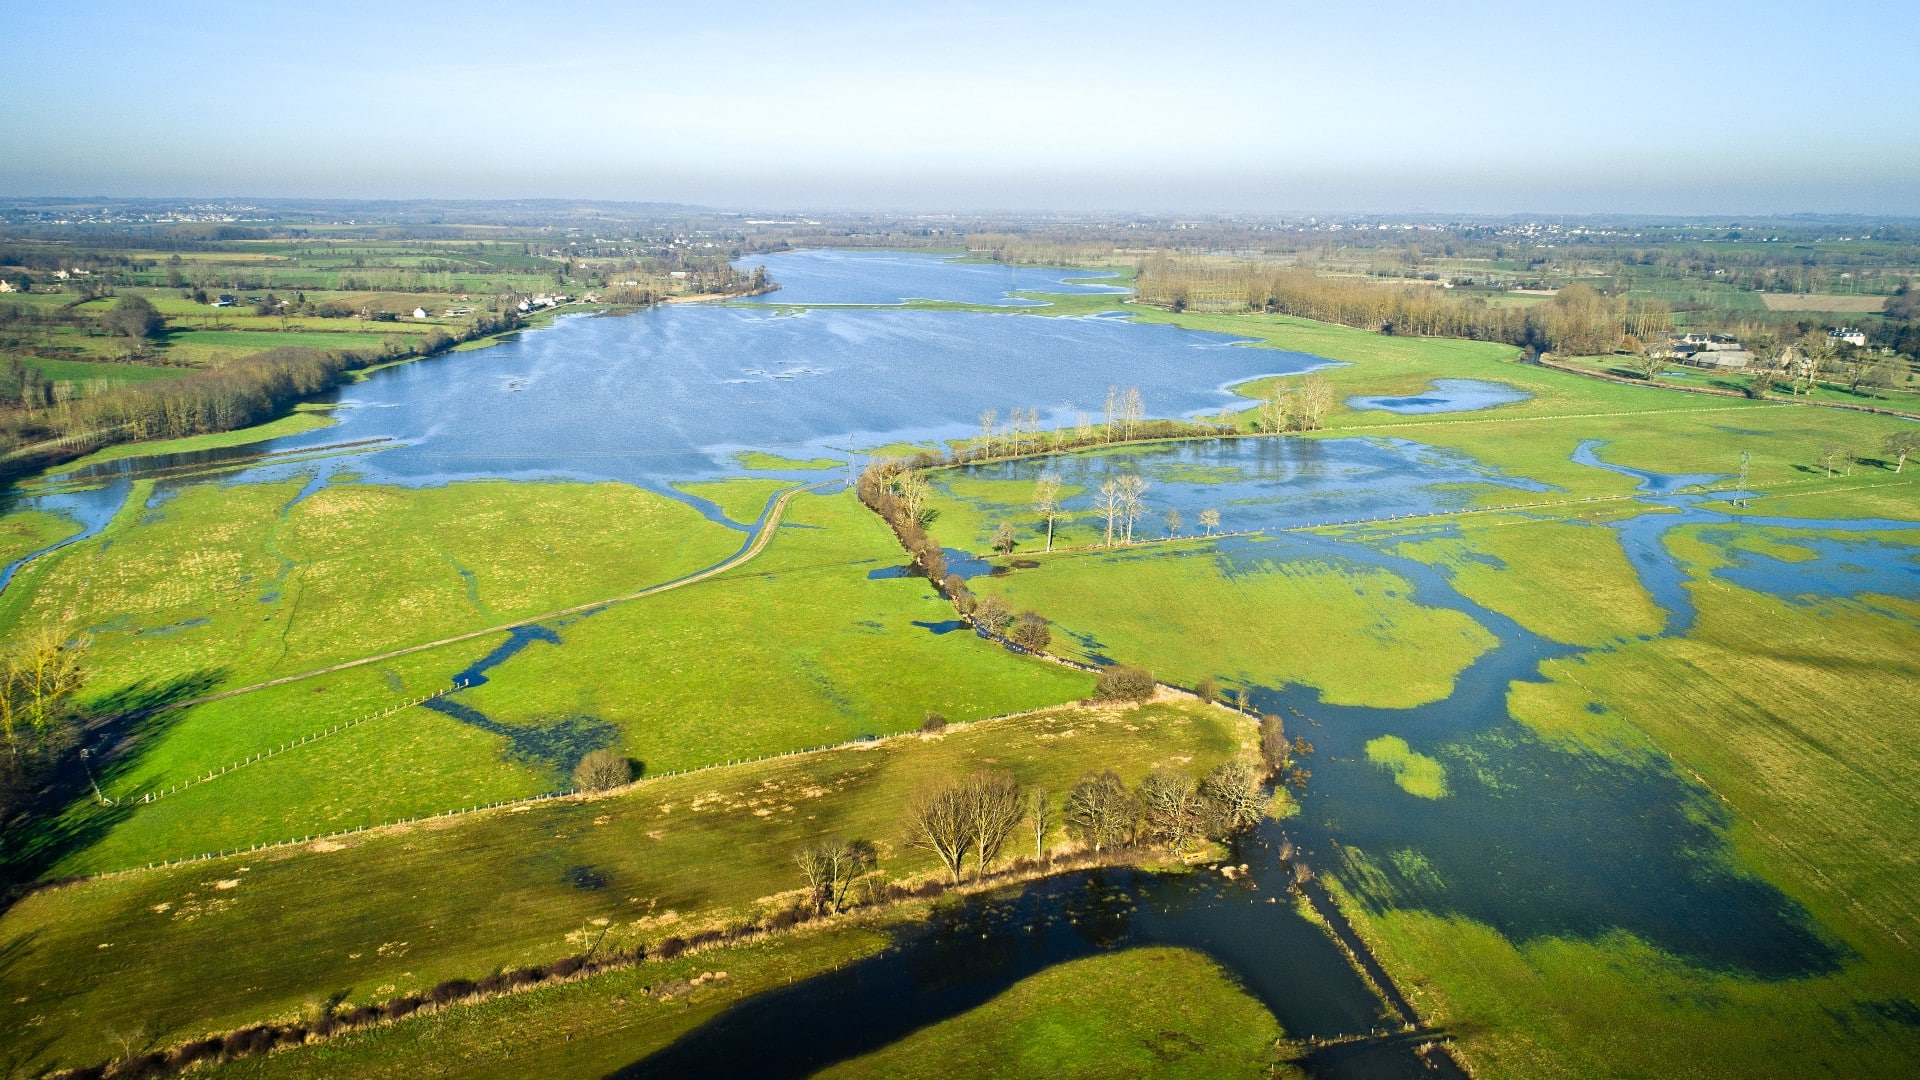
761,538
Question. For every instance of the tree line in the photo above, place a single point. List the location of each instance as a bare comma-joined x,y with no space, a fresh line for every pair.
235,394
1578,320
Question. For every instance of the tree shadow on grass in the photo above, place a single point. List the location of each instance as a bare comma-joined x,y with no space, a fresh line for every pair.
60,815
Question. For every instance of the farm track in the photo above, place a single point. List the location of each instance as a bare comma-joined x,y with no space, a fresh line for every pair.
762,536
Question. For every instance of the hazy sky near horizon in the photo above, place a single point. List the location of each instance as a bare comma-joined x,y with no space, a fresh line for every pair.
1684,106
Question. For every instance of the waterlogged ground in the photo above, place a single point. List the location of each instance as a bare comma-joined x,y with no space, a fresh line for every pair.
1487,766
1504,794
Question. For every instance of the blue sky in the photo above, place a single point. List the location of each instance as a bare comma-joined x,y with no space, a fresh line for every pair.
1682,106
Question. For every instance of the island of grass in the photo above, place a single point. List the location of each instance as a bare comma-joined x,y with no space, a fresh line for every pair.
760,461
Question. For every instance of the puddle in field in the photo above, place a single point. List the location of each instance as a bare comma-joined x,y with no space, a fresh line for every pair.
1445,396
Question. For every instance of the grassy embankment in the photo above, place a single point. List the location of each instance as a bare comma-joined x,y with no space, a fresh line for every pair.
259,935
1795,714
796,649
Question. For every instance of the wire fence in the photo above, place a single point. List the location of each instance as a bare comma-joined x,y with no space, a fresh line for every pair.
214,774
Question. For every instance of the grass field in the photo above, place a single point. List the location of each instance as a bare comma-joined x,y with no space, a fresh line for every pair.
1821,302
259,935
798,648
24,532
775,656
1140,1012
1152,1012
1798,718
1266,617
82,371
585,1028
764,462
251,581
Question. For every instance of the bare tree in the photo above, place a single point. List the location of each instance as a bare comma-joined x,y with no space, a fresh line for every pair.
1031,632
1040,818
832,868
995,805
1100,811
1124,684
1830,456
1209,520
940,821
1273,412
1275,751
993,615
1133,409
988,419
1004,539
602,770
1316,401
1648,360
1174,521
1046,502
912,488
1173,809
1230,795
1900,445
1132,505
1110,504
37,684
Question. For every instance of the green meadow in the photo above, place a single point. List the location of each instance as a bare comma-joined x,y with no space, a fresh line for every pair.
238,584
367,916
1140,1012
796,649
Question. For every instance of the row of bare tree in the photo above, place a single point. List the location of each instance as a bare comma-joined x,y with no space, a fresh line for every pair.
971,821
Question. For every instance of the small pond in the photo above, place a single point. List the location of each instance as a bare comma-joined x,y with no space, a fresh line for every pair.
1445,396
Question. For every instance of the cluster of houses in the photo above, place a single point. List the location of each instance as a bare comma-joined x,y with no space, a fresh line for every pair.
1709,350
1727,353
544,300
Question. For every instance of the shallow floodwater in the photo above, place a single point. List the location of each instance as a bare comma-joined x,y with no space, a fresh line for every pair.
895,277
672,393
1532,839
1261,483
1445,396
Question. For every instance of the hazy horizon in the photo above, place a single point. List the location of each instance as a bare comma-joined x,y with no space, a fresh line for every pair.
1683,109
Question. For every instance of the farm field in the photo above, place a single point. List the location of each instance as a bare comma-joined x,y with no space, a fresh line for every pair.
1822,302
